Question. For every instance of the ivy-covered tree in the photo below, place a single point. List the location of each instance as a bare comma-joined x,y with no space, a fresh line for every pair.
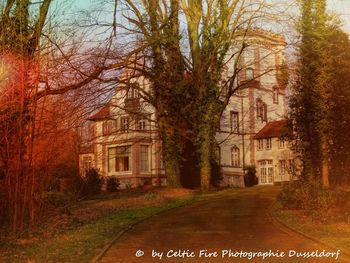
185,62
318,95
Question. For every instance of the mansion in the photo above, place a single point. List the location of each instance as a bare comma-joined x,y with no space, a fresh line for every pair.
127,146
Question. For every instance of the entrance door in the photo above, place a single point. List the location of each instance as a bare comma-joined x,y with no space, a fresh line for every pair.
266,172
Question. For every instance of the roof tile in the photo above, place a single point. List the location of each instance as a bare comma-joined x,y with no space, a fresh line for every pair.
272,129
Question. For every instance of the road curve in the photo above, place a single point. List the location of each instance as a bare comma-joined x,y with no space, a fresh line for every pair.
235,228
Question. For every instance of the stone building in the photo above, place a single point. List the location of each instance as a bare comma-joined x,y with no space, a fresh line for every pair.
126,142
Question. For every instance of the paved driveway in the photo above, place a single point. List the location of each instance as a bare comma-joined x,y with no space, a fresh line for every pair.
229,229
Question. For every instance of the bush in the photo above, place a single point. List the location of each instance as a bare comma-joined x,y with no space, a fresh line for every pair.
150,196
53,184
57,199
2,202
318,202
216,173
64,178
112,184
91,183
250,177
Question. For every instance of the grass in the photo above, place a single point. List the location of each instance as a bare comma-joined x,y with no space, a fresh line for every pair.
82,243
336,235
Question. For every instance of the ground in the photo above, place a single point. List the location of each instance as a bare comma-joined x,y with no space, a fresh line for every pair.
174,219
78,231
239,221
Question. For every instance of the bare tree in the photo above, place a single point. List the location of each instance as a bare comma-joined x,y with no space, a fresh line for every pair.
36,63
183,47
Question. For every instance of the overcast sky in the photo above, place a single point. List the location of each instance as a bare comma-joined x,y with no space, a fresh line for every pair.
341,7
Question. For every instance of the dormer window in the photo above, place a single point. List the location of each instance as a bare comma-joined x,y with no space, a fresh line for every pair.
249,74
133,93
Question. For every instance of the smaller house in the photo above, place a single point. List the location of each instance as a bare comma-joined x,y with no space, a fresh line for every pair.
275,161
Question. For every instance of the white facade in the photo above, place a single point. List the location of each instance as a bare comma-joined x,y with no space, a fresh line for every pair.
128,147
126,143
259,101
275,162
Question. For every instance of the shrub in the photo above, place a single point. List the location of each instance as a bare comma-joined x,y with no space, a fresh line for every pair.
53,184
128,185
216,173
57,199
318,202
65,178
150,196
2,202
112,184
250,177
91,183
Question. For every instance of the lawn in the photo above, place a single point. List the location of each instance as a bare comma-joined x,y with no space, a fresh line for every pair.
336,234
87,232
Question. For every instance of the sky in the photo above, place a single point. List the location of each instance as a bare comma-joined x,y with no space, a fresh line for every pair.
341,7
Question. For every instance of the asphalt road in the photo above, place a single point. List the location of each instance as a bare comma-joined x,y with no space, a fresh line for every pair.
236,228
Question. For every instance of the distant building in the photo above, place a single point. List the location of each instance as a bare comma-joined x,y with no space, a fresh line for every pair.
126,144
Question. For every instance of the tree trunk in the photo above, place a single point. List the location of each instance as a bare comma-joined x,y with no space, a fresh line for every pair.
172,166
206,139
325,165
170,149
205,160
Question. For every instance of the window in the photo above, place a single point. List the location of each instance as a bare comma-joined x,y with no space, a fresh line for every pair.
144,158
119,159
261,110
282,166
268,143
235,156
291,166
109,127
258,108
263,173
266,171
142,124
260,144
124,124
249,74
234,122
275,95
104,128
87,163
133,93
264,112
270,171
281,143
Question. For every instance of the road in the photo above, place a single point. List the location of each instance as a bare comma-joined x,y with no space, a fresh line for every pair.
229,229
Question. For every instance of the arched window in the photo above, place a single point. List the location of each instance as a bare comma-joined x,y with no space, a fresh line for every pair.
235,156
249,73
